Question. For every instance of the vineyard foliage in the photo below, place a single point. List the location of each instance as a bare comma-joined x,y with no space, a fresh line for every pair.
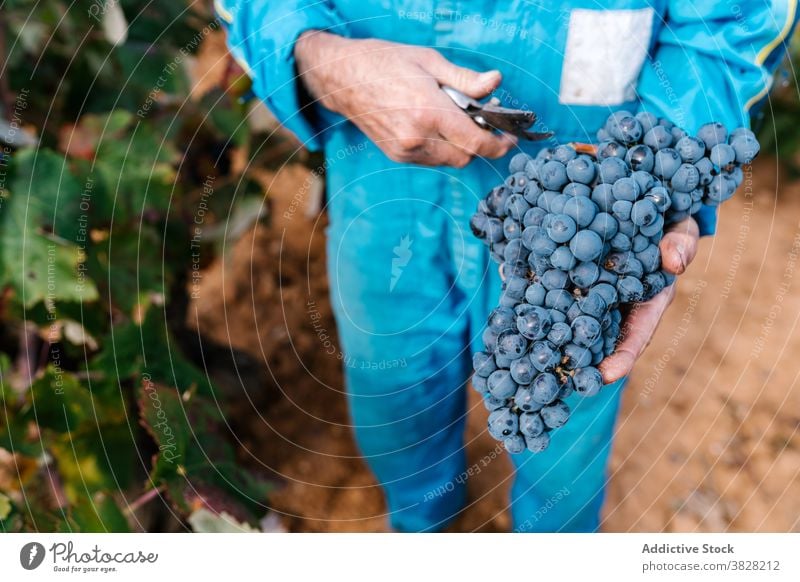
113,166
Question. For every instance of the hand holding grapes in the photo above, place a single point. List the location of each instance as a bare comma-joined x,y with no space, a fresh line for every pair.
678,249
589,249
392,93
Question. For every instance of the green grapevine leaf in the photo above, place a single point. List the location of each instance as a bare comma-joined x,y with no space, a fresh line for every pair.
98,513
58,401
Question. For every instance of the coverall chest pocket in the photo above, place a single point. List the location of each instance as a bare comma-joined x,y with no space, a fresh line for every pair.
604,54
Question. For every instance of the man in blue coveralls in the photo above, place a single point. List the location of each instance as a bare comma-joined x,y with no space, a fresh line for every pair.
361,80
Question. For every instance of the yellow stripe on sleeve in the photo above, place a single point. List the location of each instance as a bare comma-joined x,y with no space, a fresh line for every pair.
764,53
223,12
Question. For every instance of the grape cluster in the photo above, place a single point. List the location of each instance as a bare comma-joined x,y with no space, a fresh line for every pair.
576,235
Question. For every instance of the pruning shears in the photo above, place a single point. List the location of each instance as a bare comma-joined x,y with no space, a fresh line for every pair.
491,115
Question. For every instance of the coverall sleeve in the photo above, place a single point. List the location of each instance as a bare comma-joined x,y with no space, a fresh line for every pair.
714,61
261,37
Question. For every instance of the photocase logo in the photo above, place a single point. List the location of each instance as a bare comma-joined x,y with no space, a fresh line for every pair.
402,255
31,555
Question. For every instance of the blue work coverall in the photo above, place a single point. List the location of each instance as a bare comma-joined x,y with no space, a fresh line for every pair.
411,288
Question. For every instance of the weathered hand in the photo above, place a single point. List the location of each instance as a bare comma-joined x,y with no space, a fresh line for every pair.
392,93
678,249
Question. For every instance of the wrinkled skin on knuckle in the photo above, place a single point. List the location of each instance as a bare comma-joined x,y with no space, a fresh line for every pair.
425,54
473,144
419,120
410,145
461,161
398,155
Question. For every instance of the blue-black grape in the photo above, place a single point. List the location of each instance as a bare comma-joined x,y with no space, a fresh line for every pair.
607,291
503,423
581,209
585,274
690,149
612,169
564,153
554,279
681,201
647,119
630,289
644,212
560,334
491,403
686,178
745,147
559,299
555,415
581,169
557,204
518,163
622,210
522,370
588,381
650,258
553,175
501,318
620,242
532,192
531,425
593,304
667,163
523,399
539,443
483,364
561,228
720,189
605,225
586,245
535,324
603,196
544,356
712,134
645,180
626,189
511,344
658,138
515,444
535,294
511,228
576,189
563,259
611,149
501,384
479,383
640,158
545,388
659,196
722,155
627,227
653,228
585,331
515,251
516,206
625,129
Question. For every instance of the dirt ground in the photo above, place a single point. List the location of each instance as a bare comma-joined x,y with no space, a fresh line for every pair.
708,434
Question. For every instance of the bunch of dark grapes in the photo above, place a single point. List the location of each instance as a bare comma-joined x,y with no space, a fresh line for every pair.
576,235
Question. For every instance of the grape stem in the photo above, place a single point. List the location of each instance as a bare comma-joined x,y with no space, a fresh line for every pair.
585,148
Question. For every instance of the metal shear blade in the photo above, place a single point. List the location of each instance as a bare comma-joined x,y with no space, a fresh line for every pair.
491,115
